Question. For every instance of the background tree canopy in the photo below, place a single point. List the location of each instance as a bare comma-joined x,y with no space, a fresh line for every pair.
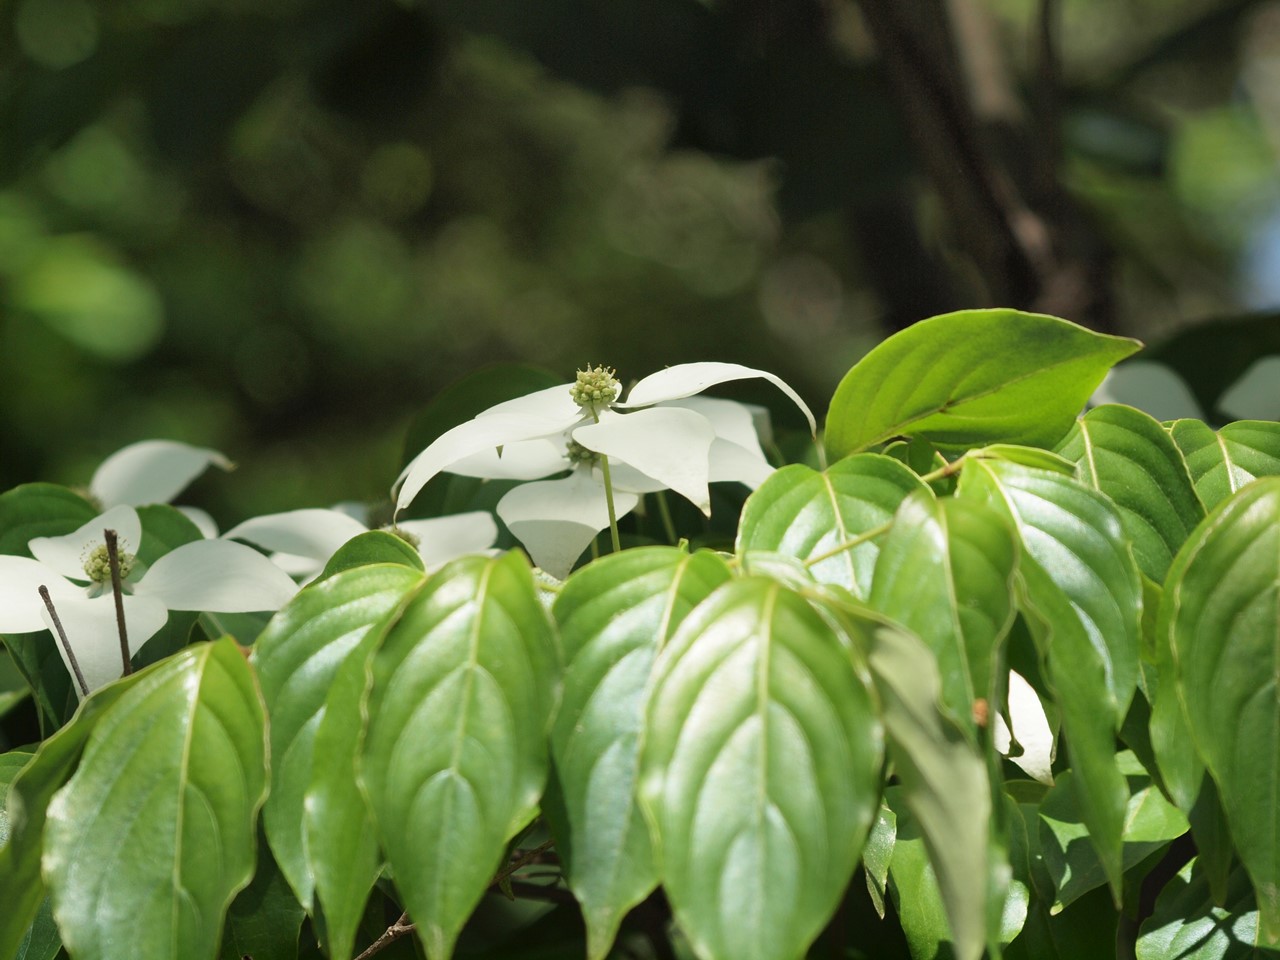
279,227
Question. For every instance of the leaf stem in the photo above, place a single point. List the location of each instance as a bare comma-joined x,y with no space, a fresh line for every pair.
113,560
62,636
850,544
944,471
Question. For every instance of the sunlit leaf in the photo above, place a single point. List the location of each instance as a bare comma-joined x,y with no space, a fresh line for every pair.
809,515
1221,614
464,685
372,546
1223,462
1131,458
152,873
614,616
1187,925
297,658
760,770
971,378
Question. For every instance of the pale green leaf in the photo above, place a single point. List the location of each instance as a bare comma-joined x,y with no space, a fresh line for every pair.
1223,462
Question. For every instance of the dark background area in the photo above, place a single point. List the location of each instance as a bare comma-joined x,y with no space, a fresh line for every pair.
279,227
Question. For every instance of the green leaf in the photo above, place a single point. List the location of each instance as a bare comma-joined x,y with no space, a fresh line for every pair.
1081,592
42,940
21,886
614,616
464,686
946,573
297,658
1221,614
807,514
164,528
944,783
265,918
760,771
1186,924
1131,458
151,873
1223,462
39,510
878,853
340,837
1150,822
376,546
971,378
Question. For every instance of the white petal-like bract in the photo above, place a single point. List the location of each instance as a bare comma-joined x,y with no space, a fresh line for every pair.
153,471
216,576
67,554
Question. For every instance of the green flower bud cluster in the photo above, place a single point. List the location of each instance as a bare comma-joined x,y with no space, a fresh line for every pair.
578,454
595,389
97,566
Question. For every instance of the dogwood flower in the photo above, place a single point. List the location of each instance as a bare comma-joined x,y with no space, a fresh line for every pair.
155,471
207,575
662,436
302,541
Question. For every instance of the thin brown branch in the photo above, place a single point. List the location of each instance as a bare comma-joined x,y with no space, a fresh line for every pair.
117,590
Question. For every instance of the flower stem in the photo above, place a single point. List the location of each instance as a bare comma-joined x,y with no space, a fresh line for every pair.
62,636
608,499
665,512
113,559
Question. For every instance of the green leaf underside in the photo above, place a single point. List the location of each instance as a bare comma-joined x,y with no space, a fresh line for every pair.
944,783
1073,865
1082,595
965,379
760,771
152,875
297,658
21,886
1223,462
946,573
1221,614
1132,459
804,514
614,616
464,685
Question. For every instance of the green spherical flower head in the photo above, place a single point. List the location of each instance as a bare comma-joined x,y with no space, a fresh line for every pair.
578,455
404,535
97,566
595,389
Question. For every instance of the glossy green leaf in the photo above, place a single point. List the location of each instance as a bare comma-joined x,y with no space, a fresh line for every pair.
164,528
878,853
1026,456
614,616
21,886
339,835
971,378
1187,925
39,510
1071,861
946,573
1131,458
944,783
806,514
376,546
297,658
1221,463
42,940
151,873
760,771
1221,614
1081,592
265,918
464,686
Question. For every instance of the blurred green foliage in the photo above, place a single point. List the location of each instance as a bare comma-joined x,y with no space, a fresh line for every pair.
279,227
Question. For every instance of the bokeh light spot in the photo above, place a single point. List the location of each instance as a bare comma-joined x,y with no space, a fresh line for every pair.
397,180
56,33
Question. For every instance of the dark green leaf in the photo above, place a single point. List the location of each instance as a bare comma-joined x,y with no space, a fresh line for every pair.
760,770
878,853
1187,925
1221,614
614,616
1131,458
40,510
265,917
464,685
151,873
807,514
971,378
297,657
163,529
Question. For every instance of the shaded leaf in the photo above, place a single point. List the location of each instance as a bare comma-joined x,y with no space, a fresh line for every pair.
265,918
971,378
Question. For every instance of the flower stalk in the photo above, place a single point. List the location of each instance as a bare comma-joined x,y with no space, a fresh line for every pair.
117,590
